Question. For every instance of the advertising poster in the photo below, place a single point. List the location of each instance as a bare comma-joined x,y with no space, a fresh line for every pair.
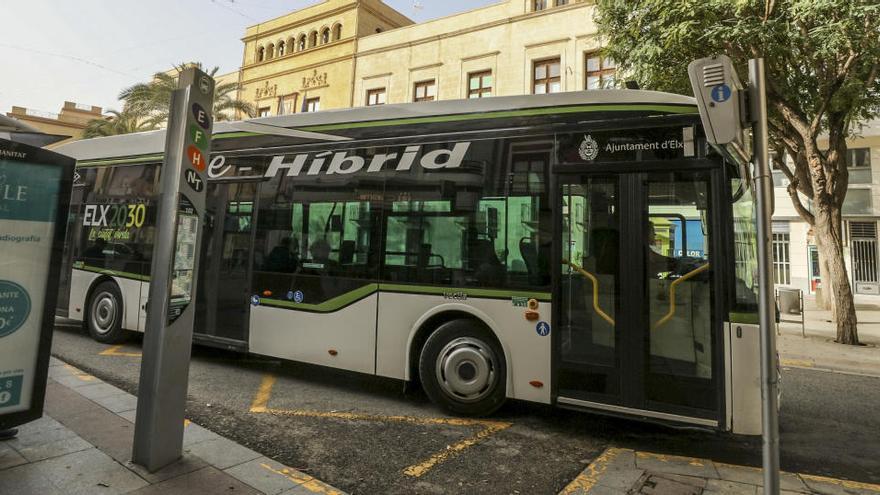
32,188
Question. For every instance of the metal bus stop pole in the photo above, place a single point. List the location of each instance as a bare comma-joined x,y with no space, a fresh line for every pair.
764,189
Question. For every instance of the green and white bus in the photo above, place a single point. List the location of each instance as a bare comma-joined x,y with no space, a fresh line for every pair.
587,250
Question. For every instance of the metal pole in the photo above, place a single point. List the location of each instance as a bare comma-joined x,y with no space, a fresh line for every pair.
764,189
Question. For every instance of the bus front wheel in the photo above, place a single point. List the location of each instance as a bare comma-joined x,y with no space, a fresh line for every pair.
462,368
104,317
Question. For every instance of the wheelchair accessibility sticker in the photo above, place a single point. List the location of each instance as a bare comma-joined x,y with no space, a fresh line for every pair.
543,328
15,306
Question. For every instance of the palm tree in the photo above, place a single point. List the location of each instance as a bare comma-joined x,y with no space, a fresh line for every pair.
153,98
124,122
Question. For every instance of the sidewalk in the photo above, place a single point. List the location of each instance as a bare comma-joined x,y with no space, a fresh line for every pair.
625,471
83,444
817,350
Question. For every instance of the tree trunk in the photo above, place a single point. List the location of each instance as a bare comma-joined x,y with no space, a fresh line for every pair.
823,297
830,244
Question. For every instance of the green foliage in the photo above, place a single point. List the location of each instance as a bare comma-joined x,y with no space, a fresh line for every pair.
153,99
821,55
124,122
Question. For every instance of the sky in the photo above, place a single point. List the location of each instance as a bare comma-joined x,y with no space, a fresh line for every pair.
86,51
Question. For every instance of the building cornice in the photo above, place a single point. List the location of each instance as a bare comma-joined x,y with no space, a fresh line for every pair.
493,53
481,27
299,22
548,42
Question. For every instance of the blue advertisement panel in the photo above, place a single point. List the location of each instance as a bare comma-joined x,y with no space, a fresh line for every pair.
34,191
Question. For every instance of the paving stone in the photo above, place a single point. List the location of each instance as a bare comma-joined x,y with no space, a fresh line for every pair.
267,480
660,484
828,486
193,434
31,437
657,463
622,459
118,403
27,479
222,453
622,479
105,430
74,381
54,361
44,423
54,449
89,472
63,401
128,415
731,487
755,476
186,464
98,390
595,490
205,481
9,457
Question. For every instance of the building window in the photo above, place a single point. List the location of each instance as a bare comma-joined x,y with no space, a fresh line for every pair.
600,71
263,112
376,97
287,104
480,84
863,246
337,32
781,258
325,36
261,52
858,161
302,43
425,91
270,51
313,39
312,105
539,5
280,48
560,3
546,77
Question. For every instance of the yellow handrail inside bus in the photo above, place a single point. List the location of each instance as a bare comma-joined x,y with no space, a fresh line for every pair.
595,282
672,287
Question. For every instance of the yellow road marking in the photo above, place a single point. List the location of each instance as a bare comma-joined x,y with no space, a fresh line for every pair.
590,476
82,375
310,483
115,351
799,363
260,404
261,400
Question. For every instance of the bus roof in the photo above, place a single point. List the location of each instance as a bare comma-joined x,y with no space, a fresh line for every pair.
312,125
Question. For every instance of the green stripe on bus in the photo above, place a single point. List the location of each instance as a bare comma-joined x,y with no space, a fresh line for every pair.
744,318
341,301
121,160
471,292
115,273
503,114
329,305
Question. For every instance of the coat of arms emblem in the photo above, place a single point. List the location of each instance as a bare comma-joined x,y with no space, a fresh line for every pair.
589,148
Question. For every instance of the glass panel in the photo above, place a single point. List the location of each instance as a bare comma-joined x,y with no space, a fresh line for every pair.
540,71
432,90
555,87
540,89
590,286
608,63
593,64
593,82
475,82
679,290
554,69
858,202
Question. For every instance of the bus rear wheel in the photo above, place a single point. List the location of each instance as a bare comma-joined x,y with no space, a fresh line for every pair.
462,368
104,317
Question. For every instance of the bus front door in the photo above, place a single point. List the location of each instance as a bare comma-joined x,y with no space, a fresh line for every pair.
224,268
638,331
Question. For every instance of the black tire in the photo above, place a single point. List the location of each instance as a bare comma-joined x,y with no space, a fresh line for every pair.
104,314
462,368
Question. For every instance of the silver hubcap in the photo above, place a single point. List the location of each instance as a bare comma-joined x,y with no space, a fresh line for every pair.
467,369
104,312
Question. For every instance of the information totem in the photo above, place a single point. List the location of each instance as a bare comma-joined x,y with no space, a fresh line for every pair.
158,435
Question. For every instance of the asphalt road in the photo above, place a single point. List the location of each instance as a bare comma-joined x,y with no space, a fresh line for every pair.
365,435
